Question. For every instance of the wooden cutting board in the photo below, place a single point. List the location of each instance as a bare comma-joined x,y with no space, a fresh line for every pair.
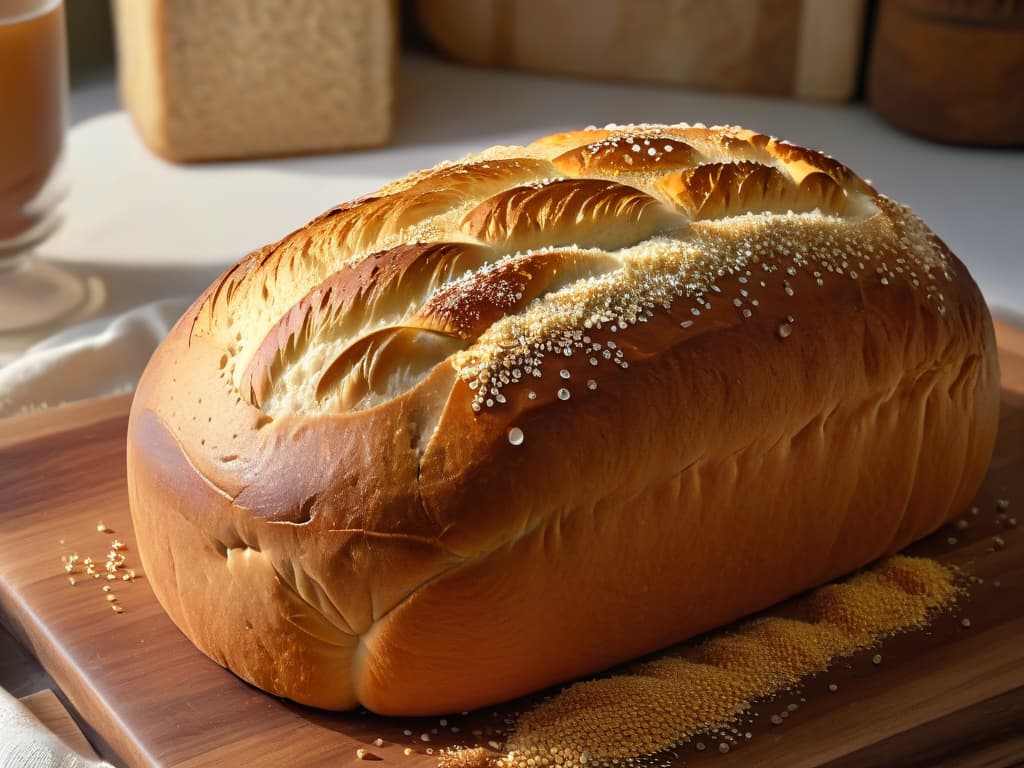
949,695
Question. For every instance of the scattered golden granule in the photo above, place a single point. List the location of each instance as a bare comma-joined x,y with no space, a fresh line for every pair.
114,566
467,758
654,705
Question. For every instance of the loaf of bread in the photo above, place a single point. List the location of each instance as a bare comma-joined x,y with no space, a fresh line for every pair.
520,417
252,78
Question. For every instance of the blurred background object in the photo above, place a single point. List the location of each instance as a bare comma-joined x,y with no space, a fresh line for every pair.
807,49
90,39
33,176
950,70
255,78
947,70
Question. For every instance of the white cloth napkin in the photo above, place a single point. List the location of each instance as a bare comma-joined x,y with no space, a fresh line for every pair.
101,357
27,743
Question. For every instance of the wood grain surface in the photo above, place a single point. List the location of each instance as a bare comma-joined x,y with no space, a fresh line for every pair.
946,696
50,712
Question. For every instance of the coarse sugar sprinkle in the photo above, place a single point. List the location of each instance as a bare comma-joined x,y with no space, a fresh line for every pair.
657,704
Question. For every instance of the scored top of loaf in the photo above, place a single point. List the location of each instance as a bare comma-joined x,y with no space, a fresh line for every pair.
508,261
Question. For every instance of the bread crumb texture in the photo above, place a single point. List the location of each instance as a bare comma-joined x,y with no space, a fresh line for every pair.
691,690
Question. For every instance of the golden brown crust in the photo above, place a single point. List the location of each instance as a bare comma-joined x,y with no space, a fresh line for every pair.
717,190
584,212
608,157
410,455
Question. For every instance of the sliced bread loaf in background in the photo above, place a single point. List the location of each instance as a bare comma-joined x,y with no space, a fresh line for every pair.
251,78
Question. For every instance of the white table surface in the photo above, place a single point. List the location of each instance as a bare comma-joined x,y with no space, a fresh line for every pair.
151,229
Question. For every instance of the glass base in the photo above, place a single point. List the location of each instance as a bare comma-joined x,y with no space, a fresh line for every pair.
34,293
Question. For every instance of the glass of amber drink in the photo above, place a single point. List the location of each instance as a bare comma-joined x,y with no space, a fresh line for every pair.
33,180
